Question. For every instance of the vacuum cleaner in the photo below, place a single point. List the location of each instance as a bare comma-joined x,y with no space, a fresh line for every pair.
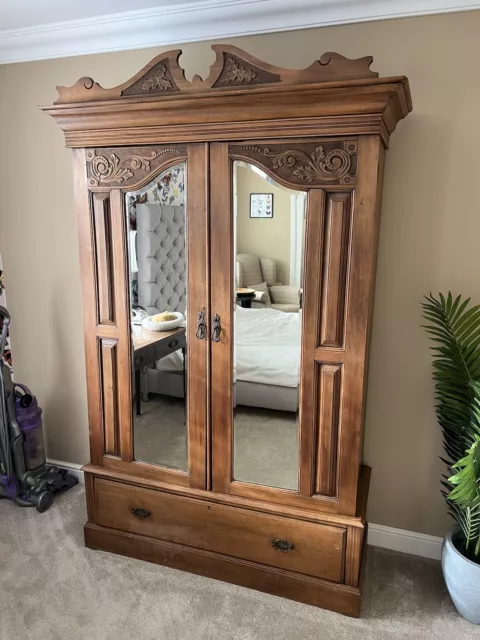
25,476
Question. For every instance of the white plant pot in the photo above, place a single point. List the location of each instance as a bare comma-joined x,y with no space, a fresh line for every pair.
462,577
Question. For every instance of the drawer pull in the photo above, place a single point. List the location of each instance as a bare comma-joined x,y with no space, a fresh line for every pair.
173,343
282,545
140,513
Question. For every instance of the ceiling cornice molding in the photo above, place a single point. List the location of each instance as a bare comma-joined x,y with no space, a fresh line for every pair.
205,20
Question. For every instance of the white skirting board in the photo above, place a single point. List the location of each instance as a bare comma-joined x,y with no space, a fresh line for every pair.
417,544
74,469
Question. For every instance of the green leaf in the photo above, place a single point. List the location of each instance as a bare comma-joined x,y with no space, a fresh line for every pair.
467,479
454,308
449,304
461,309
453,326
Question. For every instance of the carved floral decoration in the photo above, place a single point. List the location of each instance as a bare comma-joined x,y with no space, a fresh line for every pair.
319,164
236,73
316,166
113,169
157,81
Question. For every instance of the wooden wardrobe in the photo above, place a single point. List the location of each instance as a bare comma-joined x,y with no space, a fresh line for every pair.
321,132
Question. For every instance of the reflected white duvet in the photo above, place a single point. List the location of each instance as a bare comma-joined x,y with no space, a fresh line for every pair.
267,348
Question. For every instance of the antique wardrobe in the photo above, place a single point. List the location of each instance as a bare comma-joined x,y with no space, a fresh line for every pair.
230,445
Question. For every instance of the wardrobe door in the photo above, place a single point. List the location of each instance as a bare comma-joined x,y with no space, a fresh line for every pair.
293,236
257,249
143,242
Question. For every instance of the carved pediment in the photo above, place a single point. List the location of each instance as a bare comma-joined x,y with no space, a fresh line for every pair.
232,69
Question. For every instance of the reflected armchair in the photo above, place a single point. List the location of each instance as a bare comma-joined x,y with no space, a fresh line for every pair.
261,274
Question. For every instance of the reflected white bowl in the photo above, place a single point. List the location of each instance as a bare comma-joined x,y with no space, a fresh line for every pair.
147,323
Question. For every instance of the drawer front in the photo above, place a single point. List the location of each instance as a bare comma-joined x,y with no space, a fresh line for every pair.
143,357
171,345
304,547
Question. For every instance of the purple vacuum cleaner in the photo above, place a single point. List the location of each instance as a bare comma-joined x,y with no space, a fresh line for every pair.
25,476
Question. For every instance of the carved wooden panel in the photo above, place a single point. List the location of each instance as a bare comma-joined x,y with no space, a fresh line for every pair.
108,353
306,164
337,234
329,380
129,166
101,212
236,71
157,80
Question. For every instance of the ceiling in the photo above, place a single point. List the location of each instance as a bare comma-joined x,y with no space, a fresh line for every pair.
39,29
18,14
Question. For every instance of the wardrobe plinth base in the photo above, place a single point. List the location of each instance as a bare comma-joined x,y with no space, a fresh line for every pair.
308,590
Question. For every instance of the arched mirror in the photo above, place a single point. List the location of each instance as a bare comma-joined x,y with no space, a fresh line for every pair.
157,259
269,232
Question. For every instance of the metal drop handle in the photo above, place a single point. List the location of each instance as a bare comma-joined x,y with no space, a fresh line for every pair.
201,326
138,512
282,545
217,328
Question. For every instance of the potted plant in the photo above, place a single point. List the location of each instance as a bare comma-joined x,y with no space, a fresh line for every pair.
454,327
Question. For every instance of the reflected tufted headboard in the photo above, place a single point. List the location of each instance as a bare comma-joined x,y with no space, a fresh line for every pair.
161,258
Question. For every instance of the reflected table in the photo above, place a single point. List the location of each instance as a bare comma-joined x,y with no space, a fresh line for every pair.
245,300
150,346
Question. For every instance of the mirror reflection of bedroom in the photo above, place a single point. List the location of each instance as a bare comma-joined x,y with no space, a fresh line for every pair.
269,247
158,300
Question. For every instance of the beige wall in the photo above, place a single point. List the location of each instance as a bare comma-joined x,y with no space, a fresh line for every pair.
428,241
267,238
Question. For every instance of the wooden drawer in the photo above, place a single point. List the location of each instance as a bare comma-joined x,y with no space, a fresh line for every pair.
316,549
143,357
166,347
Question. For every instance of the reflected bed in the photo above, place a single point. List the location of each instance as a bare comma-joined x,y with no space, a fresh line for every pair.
267,359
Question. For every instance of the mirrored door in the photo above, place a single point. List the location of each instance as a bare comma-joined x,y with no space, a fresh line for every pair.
258,240
151,243
167,258
282,231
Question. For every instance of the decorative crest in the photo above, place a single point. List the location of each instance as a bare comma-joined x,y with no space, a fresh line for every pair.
232,69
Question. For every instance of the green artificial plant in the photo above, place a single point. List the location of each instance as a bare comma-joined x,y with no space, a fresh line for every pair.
454,327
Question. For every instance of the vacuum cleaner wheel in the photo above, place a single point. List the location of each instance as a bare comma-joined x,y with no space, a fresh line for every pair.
44,501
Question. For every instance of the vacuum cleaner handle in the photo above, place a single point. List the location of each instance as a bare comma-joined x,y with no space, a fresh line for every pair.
26,398
5,316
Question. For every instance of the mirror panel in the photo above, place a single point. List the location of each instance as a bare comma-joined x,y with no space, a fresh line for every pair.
269,232
157,258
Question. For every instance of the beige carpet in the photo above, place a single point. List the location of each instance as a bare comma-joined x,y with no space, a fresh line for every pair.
160,433
52,588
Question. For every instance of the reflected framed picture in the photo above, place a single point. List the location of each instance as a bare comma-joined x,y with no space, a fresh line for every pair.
261,205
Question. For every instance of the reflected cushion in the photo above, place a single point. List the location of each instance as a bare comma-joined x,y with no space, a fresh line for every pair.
262,295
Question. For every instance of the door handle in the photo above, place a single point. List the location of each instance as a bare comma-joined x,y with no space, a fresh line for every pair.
217,328
201,326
